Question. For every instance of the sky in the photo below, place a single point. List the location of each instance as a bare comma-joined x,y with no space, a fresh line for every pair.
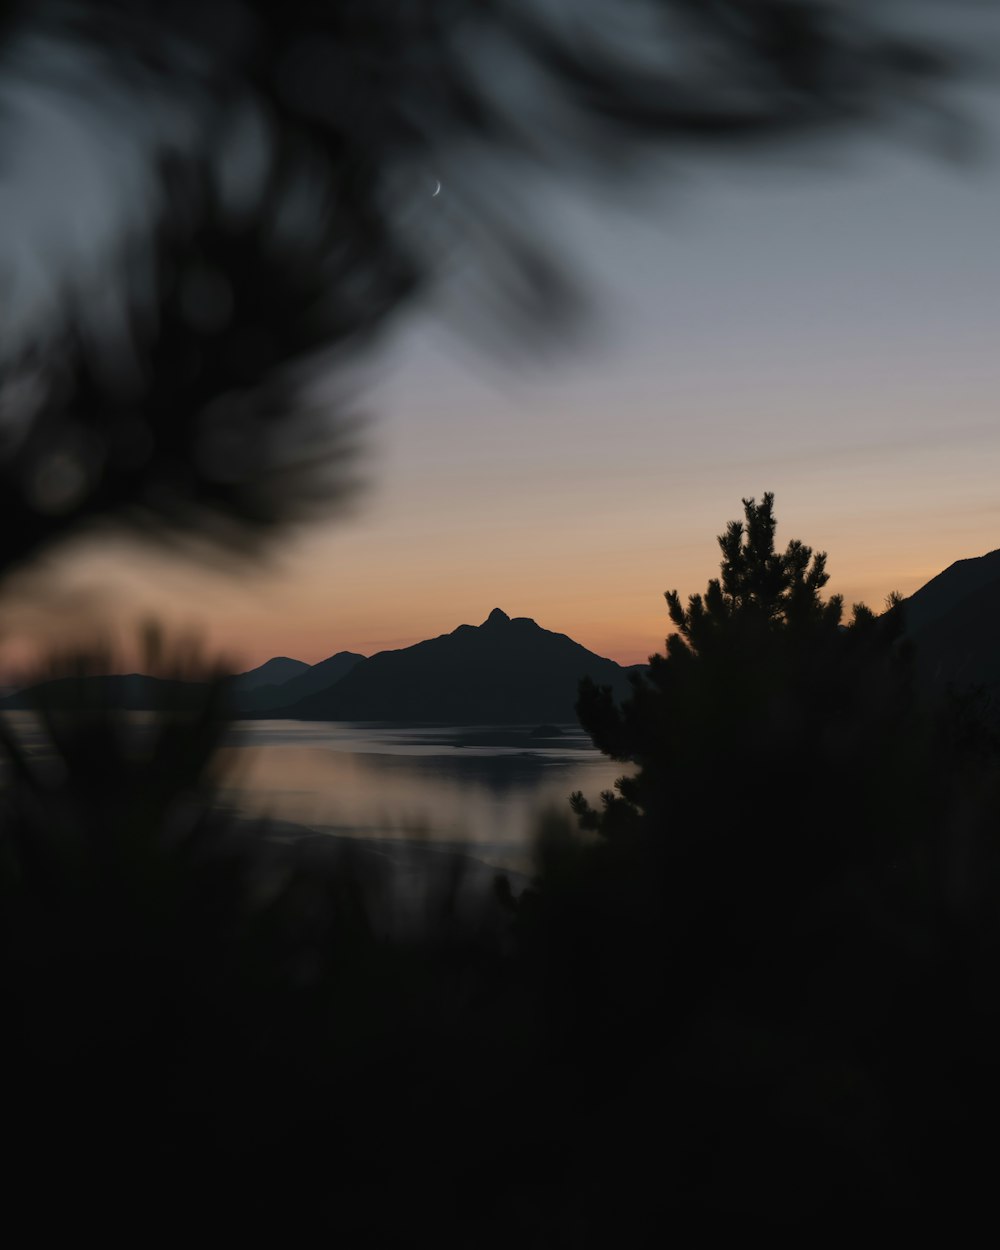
823,325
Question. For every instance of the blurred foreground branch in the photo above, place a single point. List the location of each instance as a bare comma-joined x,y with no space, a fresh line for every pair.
275,181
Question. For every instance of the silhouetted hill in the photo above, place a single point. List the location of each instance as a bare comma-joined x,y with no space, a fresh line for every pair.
273,672
277,681
943,593
962,646
501,672
132,691
316,678
954,622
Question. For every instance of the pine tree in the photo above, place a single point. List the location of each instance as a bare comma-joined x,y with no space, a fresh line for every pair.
769,748
782,936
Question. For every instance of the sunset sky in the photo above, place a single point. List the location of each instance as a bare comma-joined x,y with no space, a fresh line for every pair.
824,326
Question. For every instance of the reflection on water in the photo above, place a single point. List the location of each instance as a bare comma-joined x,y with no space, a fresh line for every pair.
478,789
388,782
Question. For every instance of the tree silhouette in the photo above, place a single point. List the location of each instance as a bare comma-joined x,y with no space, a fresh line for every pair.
770,934
759,664
760,589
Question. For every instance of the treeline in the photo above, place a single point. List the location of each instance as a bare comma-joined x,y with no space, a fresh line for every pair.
757,986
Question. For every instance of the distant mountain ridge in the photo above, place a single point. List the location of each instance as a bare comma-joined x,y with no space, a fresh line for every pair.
272,672
314,678
251,693
504,671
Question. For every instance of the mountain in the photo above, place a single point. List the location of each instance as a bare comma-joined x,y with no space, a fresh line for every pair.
963,645
273,672
954,623
944,592
277,681
312,680
501,672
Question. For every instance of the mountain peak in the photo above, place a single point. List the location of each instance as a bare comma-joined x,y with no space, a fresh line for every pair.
506,671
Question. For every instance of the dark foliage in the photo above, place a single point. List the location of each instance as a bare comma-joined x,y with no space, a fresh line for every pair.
203,1014
196,426
782,930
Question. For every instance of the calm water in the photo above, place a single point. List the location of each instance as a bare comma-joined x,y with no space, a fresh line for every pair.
385,782
390,782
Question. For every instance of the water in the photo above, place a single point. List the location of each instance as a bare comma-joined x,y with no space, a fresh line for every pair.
479,790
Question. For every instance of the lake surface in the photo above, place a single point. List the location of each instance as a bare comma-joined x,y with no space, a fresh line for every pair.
480,790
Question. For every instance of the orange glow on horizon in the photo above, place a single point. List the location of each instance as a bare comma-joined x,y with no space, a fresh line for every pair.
251,619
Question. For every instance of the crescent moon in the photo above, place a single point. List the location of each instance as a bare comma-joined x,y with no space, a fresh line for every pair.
437,188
